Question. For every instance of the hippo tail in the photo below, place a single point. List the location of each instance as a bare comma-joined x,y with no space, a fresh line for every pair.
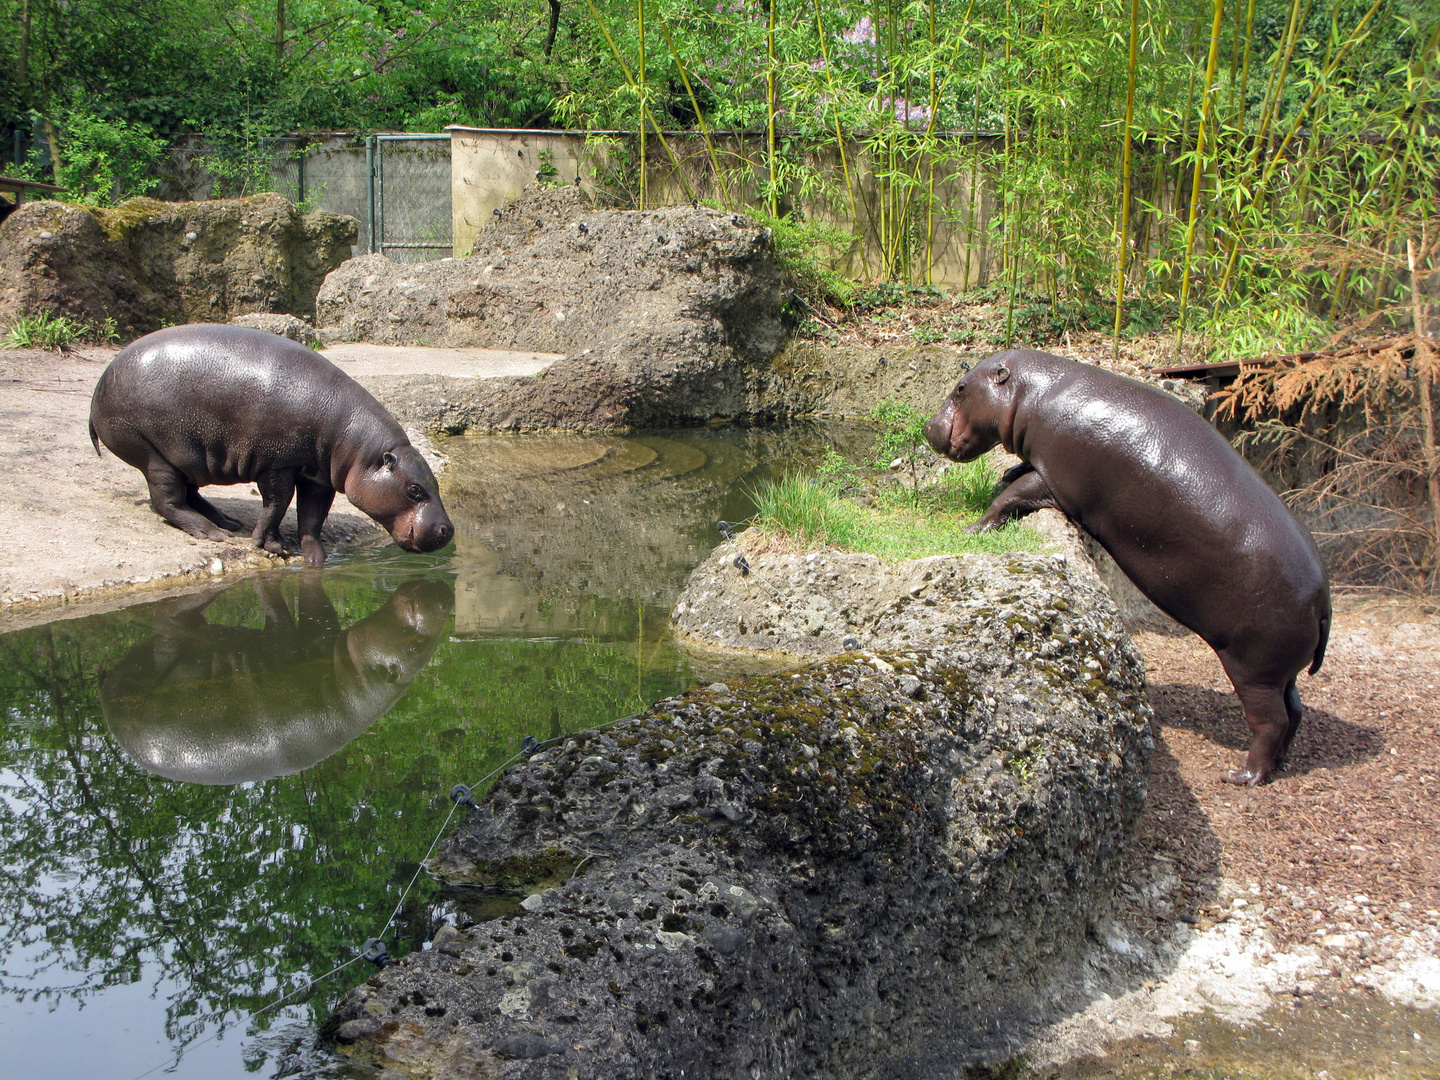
95,439
1324,639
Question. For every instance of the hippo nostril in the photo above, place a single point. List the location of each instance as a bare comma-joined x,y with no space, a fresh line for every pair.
445,532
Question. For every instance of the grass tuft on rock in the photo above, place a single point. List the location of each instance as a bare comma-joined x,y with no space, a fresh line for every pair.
813,513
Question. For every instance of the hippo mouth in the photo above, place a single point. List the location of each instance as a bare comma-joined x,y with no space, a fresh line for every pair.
431,540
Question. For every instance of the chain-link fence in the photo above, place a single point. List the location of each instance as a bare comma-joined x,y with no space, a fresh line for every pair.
396,186
410,210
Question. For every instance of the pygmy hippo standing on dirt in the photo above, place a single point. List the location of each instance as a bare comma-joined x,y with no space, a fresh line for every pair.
1181,513
206,404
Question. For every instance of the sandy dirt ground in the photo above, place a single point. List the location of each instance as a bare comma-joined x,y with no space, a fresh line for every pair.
77,530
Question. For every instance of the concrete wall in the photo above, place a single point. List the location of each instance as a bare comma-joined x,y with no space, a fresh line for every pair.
491,167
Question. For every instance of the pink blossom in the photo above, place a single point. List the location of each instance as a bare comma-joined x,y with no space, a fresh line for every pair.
862,33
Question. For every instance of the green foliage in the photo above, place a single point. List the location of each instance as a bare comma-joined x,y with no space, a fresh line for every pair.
1251,327
1320,157
105,161
966,488
806,251
49,331
835,468
809,511
901,438
813,515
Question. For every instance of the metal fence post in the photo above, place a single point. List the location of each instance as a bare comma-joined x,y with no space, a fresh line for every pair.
370,186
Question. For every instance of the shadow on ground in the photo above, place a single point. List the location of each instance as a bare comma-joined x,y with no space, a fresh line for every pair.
1324,740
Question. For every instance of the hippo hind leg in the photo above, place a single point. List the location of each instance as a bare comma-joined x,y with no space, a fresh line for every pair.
170,498
210,511
1273,716
1296,712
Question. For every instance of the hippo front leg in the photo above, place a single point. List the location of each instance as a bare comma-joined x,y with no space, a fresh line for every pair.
277,488
1027,494
312,506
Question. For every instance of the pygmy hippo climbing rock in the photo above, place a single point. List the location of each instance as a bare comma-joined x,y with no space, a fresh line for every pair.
1181,513
206,404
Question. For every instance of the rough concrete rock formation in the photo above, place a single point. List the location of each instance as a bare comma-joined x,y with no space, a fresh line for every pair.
287,326
148,264
664,315
881,864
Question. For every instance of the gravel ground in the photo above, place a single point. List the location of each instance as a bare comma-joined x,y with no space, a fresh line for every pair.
1291,930
1341,850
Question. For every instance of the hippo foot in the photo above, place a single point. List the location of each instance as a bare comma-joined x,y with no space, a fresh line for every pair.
273,546
314,552
228,522
1244,777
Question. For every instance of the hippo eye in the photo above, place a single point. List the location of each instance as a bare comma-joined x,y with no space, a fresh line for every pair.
415,493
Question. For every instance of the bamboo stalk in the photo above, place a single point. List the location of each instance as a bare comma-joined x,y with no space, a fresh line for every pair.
840,140
930,165
1206,103
1321,84
1121,258
1245,65
644,101
770,109
645,111
699,117
1425,363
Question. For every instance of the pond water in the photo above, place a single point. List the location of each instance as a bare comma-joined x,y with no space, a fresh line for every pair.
208,802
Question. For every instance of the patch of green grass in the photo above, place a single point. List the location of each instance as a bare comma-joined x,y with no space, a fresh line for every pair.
47,331
963,489
812,514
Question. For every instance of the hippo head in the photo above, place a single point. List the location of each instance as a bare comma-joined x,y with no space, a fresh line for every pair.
976,414
398,490
396,648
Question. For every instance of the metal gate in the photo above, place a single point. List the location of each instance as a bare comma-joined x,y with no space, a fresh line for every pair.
410,219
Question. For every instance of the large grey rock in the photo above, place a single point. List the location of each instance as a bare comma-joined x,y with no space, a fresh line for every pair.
664,315
881,864
148,263
287,326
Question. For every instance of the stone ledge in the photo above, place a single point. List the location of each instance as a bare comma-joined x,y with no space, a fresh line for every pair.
883,861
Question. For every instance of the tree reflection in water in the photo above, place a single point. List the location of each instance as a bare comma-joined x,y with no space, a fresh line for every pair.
217,897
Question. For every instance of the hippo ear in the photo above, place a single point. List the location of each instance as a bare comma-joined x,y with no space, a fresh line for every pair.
388,460
999,375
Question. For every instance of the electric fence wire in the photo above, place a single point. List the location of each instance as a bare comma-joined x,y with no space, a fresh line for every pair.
529,746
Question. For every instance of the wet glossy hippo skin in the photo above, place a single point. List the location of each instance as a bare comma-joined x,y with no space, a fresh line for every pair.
1181,513
213,704
196,405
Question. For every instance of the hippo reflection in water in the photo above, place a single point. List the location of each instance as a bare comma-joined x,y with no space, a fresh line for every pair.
211,704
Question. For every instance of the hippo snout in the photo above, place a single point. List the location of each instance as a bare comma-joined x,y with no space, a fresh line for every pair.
937,432
423,532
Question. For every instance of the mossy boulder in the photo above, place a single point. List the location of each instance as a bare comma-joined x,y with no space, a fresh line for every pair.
882,862
148,263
